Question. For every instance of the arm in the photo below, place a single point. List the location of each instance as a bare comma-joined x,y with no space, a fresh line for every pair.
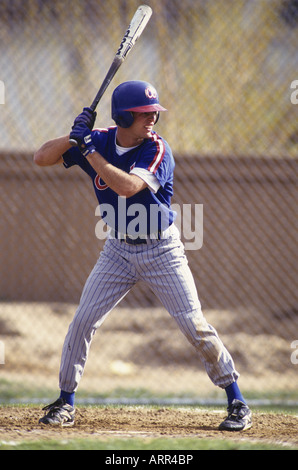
51,152
124,184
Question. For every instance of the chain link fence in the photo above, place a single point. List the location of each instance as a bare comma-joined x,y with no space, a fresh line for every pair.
227,73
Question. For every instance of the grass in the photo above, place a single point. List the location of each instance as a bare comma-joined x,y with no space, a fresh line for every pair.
12,392
161,444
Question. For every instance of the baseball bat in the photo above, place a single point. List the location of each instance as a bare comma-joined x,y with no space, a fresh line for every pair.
134,31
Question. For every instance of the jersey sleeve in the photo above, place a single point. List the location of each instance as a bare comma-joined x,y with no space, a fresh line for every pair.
157,158
74,157
148,177
71,157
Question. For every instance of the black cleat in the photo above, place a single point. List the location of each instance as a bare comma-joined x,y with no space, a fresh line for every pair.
58,413
238,419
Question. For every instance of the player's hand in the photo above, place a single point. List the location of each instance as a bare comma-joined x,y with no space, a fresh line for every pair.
86,117
81,134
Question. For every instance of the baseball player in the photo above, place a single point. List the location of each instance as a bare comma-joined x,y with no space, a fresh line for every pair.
131,167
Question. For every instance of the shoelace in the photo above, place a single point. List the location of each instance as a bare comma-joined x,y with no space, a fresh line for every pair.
235,411
54,406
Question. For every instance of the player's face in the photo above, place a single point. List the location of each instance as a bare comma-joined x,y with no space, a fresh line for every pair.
143,124
140,129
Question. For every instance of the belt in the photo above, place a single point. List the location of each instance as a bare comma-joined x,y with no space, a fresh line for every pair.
135,241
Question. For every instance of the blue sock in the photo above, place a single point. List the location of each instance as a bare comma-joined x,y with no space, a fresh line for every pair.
233,392
68,397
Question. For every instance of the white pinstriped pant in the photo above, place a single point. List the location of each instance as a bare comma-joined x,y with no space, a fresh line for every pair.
163,265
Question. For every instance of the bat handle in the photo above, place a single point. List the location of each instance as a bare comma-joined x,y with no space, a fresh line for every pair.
107,80
111,72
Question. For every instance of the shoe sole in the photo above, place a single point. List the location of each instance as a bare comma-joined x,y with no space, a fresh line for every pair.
62,425
223,428
67,424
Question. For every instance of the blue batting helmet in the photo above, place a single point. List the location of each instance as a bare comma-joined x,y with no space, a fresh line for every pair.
134,95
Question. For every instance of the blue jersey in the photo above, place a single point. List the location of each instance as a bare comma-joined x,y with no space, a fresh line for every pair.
146,212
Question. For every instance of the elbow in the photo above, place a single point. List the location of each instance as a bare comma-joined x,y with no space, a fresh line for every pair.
132,187
127,193
37,158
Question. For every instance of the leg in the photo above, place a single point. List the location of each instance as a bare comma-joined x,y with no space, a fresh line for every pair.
110,280
169,276
166,270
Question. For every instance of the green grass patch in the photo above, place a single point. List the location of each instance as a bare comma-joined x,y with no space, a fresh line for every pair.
142,444
11,392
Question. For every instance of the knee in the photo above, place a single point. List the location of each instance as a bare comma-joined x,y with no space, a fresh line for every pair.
193,324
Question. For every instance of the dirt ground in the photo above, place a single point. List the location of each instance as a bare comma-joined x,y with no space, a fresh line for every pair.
139,422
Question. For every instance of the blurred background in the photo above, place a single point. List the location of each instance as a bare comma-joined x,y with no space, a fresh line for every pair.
225,72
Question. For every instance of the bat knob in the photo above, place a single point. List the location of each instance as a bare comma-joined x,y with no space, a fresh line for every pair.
73,142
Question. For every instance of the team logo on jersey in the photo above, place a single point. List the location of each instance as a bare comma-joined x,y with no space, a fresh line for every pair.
151,93
100,184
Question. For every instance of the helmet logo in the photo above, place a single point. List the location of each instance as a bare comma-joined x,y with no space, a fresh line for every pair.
151,93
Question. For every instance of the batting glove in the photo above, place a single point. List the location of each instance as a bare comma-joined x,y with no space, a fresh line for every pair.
82,136
86,117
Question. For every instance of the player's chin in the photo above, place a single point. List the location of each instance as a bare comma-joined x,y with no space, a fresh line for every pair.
148,132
